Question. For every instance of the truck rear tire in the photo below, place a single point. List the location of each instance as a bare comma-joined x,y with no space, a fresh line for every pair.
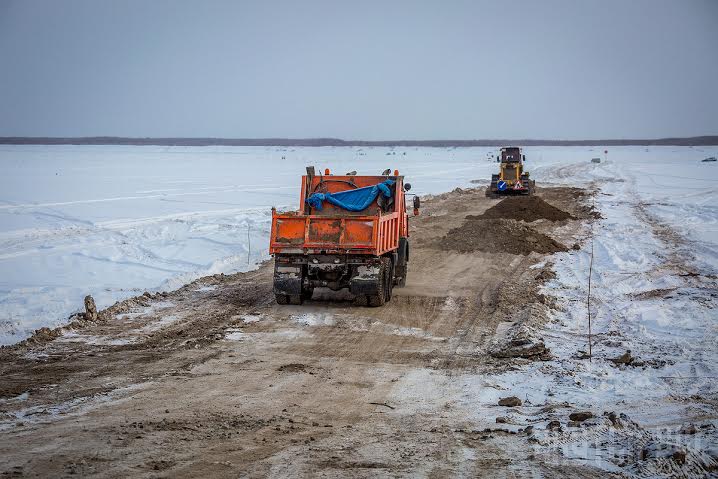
376,300
402,263
389,272
282,298
361,300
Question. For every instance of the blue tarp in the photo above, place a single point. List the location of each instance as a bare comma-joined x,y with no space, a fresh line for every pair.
352,200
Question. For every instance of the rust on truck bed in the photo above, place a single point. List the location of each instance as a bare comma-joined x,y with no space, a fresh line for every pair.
373,231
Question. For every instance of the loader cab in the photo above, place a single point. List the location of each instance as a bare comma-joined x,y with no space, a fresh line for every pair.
511,178
510,155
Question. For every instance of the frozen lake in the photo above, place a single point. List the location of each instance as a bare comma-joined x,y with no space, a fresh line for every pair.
114,221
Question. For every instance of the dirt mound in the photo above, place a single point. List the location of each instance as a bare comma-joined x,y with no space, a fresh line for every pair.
526,208
497,235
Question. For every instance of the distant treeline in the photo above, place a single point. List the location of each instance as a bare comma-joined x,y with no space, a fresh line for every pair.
114,140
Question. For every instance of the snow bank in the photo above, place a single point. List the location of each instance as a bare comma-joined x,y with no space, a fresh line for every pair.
653,293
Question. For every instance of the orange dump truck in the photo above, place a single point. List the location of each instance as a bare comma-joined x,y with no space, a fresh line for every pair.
351,231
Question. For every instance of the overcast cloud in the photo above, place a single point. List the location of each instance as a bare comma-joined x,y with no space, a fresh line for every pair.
359,69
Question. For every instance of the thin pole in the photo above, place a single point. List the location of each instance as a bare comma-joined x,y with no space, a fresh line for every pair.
588,298
249,244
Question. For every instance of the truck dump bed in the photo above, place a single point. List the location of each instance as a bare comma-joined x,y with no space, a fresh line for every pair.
330,230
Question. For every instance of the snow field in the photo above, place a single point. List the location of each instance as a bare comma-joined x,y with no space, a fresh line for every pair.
115,221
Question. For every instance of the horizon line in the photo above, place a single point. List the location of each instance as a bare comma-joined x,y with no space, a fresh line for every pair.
703,140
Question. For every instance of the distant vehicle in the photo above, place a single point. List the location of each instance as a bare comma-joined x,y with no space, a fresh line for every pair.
351,231
710,158
512,177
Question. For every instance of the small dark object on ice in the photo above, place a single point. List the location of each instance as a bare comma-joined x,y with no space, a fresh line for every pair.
581,355
501,420
510,401
710,158
90,309
624,358
679,456
580,416
689,429
553,425
614,418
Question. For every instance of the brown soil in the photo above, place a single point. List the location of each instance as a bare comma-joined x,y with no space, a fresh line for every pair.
526,208
498,236
217,380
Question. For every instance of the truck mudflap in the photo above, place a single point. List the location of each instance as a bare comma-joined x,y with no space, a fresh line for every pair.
287,279
367,281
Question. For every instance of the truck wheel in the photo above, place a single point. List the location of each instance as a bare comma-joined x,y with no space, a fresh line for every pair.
402,263
307,294
379,299
295,299
282,298
388,271
361,300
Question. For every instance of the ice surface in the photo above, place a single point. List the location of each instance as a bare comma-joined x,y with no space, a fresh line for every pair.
114,221
314,319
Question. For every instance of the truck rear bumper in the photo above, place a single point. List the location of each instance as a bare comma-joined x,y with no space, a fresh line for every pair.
294,274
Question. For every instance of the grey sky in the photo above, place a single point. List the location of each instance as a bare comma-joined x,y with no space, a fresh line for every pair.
359,69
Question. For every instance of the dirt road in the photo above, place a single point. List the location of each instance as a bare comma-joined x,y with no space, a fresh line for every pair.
215,379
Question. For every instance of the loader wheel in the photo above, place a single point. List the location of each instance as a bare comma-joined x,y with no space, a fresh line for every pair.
379,299
282,298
